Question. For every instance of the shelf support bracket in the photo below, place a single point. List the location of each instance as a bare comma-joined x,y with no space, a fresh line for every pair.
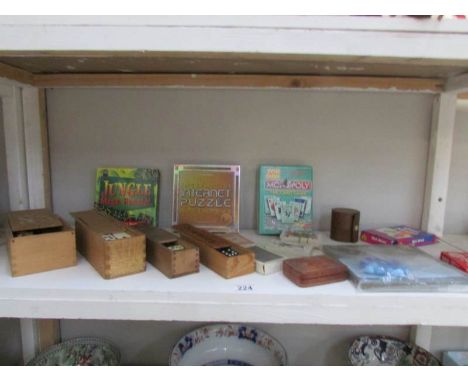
27,157
15,147
438,165
37,335
422,336
26,146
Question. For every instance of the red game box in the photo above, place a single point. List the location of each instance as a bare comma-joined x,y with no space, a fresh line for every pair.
457,259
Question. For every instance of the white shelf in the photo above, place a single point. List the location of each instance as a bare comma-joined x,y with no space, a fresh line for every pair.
288,45
378,37
459,242
80,293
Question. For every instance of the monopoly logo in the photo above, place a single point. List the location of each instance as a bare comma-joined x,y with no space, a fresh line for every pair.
288,184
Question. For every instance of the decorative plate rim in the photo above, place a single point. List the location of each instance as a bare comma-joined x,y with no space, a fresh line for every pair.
211,327
391,338
75,341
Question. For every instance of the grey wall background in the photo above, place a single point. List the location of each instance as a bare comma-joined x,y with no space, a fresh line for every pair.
10,340
456,217
368,149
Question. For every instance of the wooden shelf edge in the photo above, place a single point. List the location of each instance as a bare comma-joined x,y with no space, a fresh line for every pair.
15,74
404,84
237,80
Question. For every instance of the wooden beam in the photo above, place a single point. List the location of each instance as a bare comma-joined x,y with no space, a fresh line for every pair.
48,333
15,74
463,96
237,80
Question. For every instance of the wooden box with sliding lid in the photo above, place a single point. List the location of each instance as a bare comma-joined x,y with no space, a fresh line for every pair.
172,256
38,241
113,248
314,270
220,255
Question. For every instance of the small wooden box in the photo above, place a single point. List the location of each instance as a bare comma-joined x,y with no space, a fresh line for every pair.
161,254
213,252
314,270
111,247
39,241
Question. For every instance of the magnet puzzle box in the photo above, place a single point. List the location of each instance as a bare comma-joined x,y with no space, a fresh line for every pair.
128,194
207,196
285,198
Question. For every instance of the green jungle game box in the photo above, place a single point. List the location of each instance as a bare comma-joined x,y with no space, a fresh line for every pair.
128,194
285,198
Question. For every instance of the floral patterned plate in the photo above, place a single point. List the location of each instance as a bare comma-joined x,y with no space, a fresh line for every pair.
388,351
85,351
228,344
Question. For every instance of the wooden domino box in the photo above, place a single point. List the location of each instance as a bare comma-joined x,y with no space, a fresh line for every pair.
220,255
172,256
38,241
111,247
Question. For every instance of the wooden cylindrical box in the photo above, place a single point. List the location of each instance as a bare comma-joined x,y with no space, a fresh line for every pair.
345,225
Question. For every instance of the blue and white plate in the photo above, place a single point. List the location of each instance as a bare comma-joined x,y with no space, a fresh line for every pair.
228,344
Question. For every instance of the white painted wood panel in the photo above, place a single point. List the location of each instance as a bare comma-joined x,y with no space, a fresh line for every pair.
326,37
456,216
34,147
438,164
372,23
288,22
28,338
15,149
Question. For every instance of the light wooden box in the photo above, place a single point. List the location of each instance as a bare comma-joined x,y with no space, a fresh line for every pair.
211,256
38,241
159,252
111,247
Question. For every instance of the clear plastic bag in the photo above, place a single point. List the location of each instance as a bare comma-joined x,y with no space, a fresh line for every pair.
390,268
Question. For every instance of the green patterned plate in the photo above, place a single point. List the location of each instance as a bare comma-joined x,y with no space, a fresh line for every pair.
84,351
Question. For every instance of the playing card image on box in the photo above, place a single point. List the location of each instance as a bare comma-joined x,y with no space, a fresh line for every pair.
207,196
128,194
285,197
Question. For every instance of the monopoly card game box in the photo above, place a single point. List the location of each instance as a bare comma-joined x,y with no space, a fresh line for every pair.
285,198
207,196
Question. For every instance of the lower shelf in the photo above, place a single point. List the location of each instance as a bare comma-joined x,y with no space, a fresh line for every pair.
80,293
